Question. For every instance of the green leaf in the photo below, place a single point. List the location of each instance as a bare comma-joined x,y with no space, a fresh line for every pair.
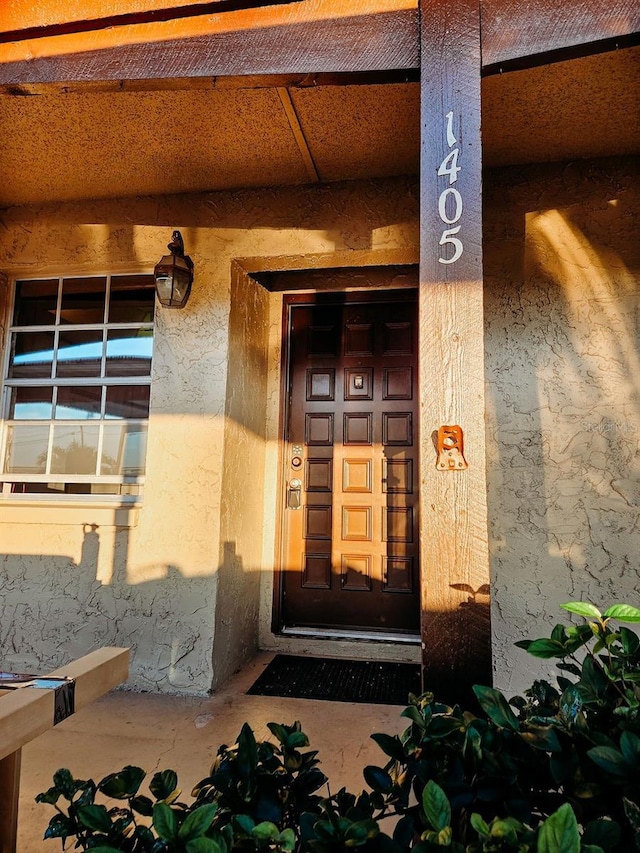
609,759
559,833
543,648
377,779
95,817
630,641
286,840
602,833
582,608
165,822
197,822
60,826
542,737
496,707
623,613
143,805
203,845
265,831
163,784
632,811
51,796
480,825
412,713
436,806
391,746
122,785
630,746
65,783
247,752
245,822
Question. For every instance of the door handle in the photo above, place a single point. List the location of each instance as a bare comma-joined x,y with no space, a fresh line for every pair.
294,493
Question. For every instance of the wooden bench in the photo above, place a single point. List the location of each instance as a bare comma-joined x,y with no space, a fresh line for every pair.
27,712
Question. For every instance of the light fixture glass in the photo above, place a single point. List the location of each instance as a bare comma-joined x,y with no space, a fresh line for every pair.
174,275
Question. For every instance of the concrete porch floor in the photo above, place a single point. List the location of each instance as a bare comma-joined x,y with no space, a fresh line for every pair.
183,733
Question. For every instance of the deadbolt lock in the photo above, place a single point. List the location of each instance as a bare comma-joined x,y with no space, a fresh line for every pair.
294,493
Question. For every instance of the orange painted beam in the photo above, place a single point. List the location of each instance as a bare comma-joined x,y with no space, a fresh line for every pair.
18,15
184,28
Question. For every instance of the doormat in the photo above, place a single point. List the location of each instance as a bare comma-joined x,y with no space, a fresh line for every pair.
337,680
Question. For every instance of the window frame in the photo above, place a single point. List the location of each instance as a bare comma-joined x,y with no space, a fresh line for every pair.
134,482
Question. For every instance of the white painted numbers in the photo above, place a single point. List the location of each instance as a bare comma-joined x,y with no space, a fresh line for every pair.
450,201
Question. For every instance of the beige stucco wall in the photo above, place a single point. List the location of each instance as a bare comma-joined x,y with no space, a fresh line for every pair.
186,579
562,313
183,569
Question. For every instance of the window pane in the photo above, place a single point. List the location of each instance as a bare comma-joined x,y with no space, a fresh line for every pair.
83,300
124,448
79,403
129,352
26,449
32,355
75,449
79,353
36,303
132,299
127,401
30,404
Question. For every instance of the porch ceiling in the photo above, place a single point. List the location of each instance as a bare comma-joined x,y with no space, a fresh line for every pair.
101,141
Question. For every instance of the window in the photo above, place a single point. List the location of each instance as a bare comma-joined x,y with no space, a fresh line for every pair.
76,386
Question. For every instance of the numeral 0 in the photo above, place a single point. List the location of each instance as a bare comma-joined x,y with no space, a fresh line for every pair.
450,192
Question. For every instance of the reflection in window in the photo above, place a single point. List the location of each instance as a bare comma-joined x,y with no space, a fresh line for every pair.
78,384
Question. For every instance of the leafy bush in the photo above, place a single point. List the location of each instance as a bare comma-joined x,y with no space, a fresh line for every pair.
555,771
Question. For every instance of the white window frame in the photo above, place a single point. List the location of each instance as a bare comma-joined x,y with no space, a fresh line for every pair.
134,482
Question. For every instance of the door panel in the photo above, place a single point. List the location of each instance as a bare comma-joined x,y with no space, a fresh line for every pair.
350,544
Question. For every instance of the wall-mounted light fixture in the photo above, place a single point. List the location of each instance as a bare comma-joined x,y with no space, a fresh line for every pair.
174,274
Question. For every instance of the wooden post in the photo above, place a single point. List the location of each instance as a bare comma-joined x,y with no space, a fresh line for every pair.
454,547
28,712
9,795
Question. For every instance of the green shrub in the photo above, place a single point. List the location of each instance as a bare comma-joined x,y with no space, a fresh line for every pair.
555,771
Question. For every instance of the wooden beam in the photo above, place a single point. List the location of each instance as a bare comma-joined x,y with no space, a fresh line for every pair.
305,37
516,32
299,37
298,134
28,712
453,522
34,18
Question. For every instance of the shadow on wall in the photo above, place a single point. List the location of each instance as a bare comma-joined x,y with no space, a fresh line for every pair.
54,610
562,263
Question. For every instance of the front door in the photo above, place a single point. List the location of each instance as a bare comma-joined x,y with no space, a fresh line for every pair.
350,530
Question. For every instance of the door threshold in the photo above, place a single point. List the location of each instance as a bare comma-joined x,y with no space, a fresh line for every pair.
341,634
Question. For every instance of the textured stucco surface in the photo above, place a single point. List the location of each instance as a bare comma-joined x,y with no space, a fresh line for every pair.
562,308
187,582
186,565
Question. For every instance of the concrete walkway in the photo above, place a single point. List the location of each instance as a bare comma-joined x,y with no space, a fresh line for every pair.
160,732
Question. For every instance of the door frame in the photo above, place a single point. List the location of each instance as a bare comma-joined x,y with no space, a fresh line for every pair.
294,297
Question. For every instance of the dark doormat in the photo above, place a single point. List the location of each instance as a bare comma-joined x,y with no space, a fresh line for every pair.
338,680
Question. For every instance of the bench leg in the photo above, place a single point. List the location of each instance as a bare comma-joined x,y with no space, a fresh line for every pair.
9,795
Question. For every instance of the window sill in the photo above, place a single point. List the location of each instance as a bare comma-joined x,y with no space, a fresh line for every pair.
68,512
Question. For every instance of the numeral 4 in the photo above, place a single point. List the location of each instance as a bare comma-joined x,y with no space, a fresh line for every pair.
449,166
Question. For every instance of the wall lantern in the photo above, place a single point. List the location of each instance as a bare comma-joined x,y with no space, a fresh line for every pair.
174,274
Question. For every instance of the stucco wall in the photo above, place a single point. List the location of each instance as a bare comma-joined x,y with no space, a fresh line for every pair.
562,265
74,578
562,309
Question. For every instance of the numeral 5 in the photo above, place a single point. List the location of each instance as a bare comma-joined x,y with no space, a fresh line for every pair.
458,248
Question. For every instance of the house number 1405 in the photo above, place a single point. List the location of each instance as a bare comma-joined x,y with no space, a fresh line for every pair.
450,201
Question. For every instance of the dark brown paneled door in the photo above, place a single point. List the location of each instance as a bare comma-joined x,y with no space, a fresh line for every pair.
351,493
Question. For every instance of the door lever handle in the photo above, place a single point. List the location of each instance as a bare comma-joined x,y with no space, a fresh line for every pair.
294,493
